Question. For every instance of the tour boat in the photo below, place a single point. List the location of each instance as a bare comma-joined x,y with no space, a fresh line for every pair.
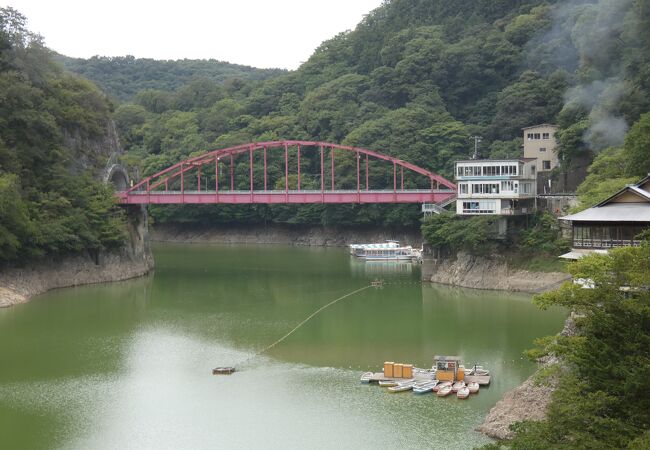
387,383
440,385
444,391
389,254
473,387
458,385
365,378
423,388
360,249
402,386
463,392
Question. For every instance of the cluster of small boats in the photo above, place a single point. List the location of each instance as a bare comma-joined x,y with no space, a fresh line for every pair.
422,381
385,251
440,388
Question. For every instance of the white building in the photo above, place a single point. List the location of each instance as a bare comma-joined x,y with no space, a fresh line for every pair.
497,187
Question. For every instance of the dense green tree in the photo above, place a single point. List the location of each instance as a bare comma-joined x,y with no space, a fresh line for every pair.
600,400
637,147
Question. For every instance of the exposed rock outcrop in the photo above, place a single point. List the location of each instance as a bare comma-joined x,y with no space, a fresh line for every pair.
480,272
529,401
19,284
282,234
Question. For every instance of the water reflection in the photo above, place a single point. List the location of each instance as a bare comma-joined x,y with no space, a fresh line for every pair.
127,365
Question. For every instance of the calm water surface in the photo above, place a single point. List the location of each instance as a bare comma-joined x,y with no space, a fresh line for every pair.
128,365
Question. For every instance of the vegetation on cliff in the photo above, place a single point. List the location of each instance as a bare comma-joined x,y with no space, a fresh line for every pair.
49,201
602,398
415,79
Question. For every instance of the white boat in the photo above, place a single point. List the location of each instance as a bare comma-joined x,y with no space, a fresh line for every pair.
478,370
458,385
360,249
440,385
389,254
387,383
444,391
463,392
473,387
424,387
403,386
365,378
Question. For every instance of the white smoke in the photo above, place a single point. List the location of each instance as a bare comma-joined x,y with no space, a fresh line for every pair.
585,38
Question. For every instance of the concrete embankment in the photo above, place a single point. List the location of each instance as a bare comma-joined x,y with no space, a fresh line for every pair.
19,284
315,236
479,272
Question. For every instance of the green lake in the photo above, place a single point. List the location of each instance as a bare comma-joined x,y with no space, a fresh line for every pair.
128,365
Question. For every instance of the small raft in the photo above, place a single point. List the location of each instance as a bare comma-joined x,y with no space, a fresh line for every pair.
223,370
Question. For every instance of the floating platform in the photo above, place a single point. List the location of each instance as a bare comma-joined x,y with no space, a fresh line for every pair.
223,370
482,380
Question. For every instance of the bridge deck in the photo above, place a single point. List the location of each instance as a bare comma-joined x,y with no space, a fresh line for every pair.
291,196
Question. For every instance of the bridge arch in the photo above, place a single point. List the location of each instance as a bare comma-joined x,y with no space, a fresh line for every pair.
156,188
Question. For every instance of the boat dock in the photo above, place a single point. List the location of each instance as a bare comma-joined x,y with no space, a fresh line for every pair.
424,375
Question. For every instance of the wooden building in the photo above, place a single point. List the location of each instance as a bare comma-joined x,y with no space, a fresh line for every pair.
614,222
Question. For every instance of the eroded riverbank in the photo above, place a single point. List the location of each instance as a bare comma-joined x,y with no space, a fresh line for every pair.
18,285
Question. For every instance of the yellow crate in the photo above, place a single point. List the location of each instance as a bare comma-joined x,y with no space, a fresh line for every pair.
444,375
397,370
407,371
388,369
460,376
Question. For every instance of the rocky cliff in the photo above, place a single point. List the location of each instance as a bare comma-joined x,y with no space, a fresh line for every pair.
282,234
481,272
19,284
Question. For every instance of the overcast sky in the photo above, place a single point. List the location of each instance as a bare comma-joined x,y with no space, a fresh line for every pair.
260,33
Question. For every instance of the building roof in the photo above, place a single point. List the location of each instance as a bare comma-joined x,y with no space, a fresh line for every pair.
540,125
613,212
643,195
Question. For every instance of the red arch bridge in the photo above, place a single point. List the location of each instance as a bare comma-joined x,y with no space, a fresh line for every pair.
210,178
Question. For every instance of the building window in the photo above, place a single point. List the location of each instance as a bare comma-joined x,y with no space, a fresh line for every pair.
480,207
529,136
485,188
542,149
463,188
546,165
507,186
546,136
537,136
532,170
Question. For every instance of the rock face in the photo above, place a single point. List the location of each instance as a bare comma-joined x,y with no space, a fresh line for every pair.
489,273
17,285
526,402
283,234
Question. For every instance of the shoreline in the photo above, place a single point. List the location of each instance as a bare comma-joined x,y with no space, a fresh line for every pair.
527,401
19,284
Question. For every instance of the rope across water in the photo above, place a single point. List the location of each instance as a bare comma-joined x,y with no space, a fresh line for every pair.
304,322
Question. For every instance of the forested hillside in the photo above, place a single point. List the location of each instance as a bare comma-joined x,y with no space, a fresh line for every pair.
50,200
416,79
122,77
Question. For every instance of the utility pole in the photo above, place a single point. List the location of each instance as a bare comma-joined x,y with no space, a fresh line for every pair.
477,139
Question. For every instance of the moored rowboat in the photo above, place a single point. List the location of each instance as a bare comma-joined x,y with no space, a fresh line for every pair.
473,387
401,387
463,392
458,385
444,391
